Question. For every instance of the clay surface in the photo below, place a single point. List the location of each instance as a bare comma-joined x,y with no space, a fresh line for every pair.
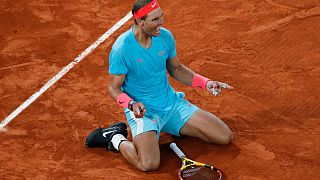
267,49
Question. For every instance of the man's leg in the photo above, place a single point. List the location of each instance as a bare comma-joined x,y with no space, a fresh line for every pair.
207,127
143,152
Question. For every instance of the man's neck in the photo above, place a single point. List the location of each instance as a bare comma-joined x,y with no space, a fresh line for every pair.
143,38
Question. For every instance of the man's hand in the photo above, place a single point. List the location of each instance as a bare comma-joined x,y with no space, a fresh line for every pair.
138,109
215,87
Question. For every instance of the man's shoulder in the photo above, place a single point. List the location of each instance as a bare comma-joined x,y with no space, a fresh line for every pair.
165,33
165,30
122,40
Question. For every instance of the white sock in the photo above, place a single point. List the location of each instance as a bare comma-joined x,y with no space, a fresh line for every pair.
117,139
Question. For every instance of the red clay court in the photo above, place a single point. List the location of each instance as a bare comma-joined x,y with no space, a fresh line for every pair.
268,50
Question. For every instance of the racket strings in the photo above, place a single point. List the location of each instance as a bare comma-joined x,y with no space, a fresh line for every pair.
199,173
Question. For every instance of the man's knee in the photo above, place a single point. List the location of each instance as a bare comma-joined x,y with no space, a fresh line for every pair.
226,138
149,165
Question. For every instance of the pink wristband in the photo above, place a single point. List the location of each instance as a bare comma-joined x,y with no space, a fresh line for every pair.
199,81
123,100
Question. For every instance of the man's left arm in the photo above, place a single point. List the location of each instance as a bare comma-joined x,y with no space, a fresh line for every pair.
180,72
186,76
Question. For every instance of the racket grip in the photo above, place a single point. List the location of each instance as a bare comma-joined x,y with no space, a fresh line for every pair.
175,149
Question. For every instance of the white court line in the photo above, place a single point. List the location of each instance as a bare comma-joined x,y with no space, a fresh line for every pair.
65,70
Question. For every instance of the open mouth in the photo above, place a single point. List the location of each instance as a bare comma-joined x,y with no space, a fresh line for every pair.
157,30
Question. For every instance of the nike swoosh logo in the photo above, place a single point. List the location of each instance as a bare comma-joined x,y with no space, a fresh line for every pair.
121,102
106,133
153,5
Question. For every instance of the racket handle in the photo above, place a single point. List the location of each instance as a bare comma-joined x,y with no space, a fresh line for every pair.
175,149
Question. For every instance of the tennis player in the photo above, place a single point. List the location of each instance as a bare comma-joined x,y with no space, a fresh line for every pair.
138,63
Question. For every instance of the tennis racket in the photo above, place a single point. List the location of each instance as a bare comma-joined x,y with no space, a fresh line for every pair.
195,170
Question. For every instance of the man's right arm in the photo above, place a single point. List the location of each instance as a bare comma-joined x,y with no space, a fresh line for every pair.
115,83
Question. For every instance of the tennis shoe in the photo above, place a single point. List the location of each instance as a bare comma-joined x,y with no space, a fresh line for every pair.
101,137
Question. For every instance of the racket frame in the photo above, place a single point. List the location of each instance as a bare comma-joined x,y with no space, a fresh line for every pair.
186,162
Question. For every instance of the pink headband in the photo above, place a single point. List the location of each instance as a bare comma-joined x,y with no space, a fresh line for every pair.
146,9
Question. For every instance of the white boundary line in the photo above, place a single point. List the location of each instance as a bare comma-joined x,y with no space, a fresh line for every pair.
65,70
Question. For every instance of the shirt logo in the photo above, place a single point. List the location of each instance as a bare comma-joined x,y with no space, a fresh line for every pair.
162,52
153,5
139,60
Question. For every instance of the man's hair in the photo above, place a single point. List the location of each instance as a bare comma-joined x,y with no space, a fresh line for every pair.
138,4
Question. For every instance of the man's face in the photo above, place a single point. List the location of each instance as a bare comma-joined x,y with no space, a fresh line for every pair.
153,22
